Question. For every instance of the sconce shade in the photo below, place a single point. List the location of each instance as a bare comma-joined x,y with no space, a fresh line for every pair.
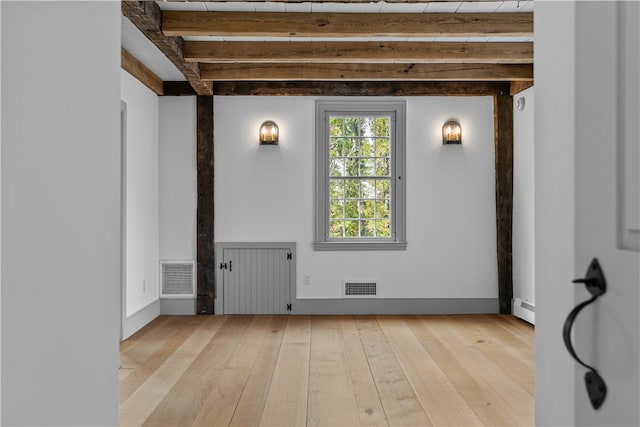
451,132
269,133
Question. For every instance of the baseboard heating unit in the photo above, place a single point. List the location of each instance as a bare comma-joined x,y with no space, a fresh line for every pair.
526,310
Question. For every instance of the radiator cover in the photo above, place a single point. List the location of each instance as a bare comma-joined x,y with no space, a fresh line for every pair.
177,279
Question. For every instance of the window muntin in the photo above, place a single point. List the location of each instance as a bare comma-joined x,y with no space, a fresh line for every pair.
359,175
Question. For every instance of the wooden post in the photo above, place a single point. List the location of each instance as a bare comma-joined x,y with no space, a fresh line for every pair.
205,238
503,125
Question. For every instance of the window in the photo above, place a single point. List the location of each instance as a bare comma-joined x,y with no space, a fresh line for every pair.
360,178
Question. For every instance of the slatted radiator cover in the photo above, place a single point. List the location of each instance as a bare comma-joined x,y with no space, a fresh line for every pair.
177,279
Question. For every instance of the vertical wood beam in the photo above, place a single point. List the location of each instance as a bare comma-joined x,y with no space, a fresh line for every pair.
205,238
503,128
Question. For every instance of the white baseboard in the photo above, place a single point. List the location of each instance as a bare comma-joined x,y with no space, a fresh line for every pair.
391,306
139,319
178,306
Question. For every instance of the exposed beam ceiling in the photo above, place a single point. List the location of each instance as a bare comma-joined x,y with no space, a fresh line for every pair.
147,16
342,88
232,44
266,24
141,72
366,72
516,87
325,1
359,52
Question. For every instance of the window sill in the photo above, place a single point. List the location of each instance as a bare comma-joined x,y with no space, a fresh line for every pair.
360,246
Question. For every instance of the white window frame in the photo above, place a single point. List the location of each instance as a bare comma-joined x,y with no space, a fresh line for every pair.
397,111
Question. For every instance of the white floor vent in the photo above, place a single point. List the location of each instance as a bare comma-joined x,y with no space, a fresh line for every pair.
177,279
359,289
525,310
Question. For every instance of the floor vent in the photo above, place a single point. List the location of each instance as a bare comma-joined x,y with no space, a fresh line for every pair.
361,289
177,279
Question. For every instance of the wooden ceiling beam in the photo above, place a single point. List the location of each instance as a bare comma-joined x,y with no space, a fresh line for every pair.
359,52
276,24
366,72
147,16
177,88
137,69
327,1
517,87
378,88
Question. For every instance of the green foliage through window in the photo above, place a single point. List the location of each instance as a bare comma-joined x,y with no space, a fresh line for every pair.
359,176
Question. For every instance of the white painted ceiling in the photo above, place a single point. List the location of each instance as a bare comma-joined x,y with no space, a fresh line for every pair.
141,48
372,7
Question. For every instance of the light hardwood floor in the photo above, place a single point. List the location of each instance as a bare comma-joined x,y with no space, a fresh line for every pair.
329,371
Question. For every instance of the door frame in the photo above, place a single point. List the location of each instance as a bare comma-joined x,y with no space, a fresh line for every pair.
123,217
219,255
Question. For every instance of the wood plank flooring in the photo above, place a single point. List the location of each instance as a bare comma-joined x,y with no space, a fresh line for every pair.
471,370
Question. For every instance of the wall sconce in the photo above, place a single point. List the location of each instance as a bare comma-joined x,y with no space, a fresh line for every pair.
269,133
451,132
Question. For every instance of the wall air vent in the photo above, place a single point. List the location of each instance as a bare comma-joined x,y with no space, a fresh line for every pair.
177,279
359,289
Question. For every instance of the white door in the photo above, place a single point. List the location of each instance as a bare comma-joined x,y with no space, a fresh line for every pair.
586,206
606,207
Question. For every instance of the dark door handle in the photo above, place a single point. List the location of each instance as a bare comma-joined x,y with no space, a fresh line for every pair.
596,285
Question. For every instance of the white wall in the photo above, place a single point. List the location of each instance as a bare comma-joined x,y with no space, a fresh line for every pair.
0,214
554,164
60,213
178,190
178,178
142,195
265,193
523,248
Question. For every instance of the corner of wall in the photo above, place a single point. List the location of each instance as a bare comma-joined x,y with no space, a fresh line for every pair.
139,319
141,203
